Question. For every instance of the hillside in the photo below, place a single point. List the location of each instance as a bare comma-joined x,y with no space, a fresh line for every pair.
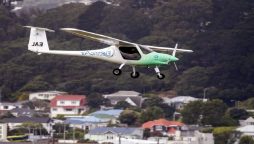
219,32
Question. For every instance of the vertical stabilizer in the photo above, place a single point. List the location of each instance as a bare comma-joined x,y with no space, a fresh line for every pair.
38,40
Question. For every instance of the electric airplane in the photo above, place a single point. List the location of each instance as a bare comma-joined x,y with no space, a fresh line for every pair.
119,51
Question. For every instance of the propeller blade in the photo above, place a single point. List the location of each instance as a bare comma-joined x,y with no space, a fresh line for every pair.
174,52
176,66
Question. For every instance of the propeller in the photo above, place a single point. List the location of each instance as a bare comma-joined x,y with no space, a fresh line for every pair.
173,54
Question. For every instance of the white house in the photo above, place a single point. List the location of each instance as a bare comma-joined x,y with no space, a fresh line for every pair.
45,95
3,132
6,106
191,135
247,130
111,133
68,105
132,97
248,121
179,101
15,122
86,122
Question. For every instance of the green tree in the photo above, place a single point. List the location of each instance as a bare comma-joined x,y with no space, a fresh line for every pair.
95,100
152,101
238,114
192,111
122,105
129,117
246,140
212,111
151,113
222,135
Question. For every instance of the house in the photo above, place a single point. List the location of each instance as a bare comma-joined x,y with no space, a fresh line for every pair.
3,132
19,112
86,122
132,97
68,105
45,95
111,133
165,127
189,134
180,101
16,122
248,121
7,106
111,114
246,130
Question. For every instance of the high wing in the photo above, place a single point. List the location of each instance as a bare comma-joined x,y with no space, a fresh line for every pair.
113,41
156,48
98,37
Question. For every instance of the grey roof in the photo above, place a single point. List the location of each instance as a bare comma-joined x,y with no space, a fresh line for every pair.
124,93
136,100
23,111
115,130
26,119
52,92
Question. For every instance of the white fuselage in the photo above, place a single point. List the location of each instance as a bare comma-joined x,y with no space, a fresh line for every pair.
110,54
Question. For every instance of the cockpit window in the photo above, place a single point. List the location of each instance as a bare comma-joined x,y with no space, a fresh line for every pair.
129,53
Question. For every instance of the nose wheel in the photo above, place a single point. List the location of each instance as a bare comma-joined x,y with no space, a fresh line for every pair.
160,76
117,72
134,75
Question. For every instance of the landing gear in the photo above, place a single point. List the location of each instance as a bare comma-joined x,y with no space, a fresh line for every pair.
134,74
159,74
118,71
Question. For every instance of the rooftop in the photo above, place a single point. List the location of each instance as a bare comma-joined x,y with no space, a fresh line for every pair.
26,119
115,130
106,113
123,93
163,122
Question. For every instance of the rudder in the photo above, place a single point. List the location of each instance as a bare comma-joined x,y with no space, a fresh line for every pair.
38,40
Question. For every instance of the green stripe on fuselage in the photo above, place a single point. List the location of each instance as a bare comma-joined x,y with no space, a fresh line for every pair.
155,58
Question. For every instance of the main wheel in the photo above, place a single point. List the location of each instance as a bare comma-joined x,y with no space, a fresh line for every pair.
135,75
117,72
161,76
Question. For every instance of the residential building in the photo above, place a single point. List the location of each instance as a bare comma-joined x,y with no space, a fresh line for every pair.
7,106
16,122
19,112
68,105
86,122
111,114
248,121
112,133
165,127
246,130
180,101
45,95
3,132
132,97
189,134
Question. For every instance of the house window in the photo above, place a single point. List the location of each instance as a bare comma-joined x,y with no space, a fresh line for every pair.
73,102
68,109
5,107
54,109
61,102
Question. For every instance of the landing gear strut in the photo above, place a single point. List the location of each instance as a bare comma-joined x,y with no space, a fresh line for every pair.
118,71
134,74
159,74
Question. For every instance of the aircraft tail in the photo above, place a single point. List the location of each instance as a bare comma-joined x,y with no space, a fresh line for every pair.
38,40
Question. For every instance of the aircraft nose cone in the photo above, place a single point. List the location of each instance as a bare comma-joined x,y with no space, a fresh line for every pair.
174,58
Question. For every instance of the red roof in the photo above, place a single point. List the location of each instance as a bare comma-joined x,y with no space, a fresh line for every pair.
161,122
81,98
